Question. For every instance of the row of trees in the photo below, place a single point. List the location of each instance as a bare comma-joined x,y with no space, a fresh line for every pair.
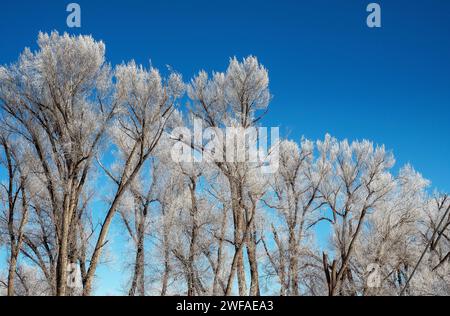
334,219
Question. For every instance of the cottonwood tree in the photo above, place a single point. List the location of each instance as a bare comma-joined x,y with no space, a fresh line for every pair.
54,100
191,226
145,103
188,217
439,262
389,242
135,212
58,99
41,238
192,239
170,198
16,212
430,273
296,198
233,99
220,246
357,183
28,282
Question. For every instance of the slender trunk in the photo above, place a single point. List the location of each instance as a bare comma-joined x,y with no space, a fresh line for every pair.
141,288
100,244
218,267
62,263
123,185
337,280
61,270
233,270
238,253
11,273
242,283
137,284
193,242
239,241
293,263
167,268
165,279
282,273
252,258
294,283
16,238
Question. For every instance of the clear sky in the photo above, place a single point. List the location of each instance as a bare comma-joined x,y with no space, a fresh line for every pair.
329,72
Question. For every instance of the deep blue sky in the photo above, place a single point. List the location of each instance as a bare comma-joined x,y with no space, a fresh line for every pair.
329,72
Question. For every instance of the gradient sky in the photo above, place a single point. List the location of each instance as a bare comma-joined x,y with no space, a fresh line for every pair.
329,72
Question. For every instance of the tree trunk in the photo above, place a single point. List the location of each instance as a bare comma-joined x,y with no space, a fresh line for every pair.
165,279
12,272
63,253
194,234
293,263
242,284
167,268
218,267
137,284
61,269
254,275
238,217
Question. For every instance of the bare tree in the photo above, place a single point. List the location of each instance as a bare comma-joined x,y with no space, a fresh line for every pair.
389,242
48,97
433,276
145,103
358,182
296,197
16,215
135,211
232,99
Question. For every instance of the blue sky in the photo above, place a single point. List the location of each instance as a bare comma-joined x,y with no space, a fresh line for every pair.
329,72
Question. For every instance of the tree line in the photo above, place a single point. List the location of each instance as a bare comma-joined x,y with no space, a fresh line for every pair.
86,146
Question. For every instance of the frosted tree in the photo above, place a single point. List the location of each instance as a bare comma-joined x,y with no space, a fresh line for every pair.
430,273
188,218
192,220
358,182
389,242
134,211
16,210
234,99
171,199
296,198
54,99
145,103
